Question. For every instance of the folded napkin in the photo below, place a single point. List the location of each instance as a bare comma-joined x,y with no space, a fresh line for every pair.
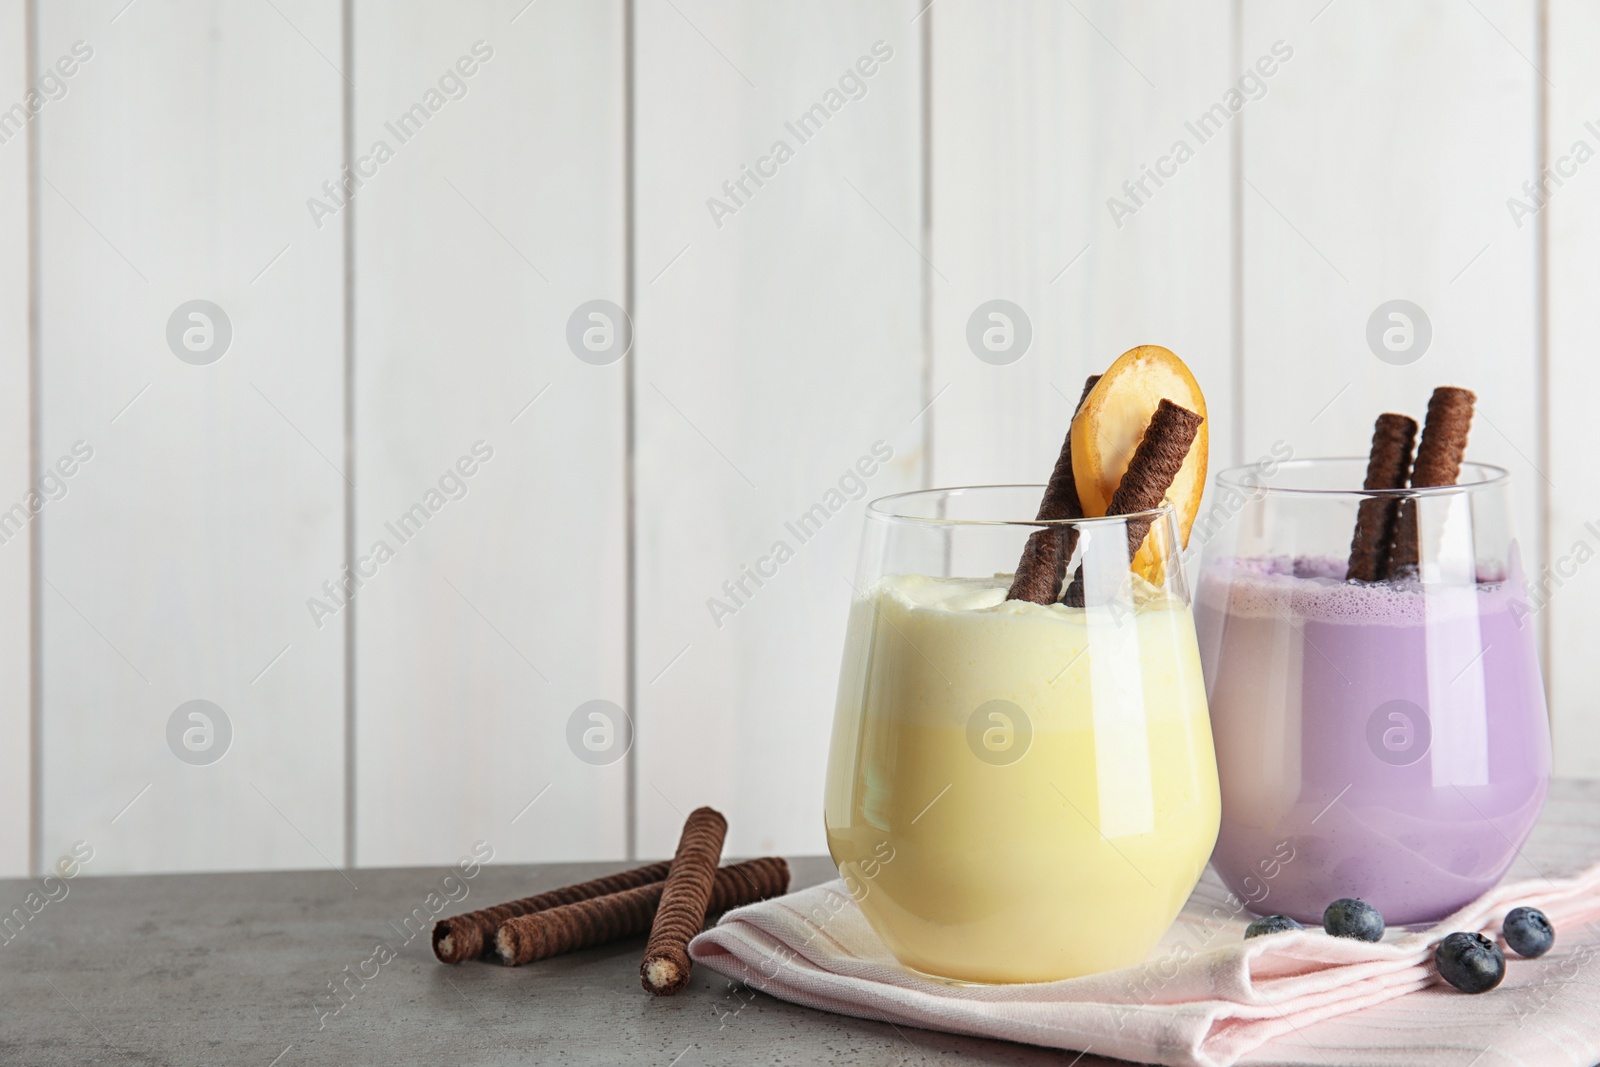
1206,997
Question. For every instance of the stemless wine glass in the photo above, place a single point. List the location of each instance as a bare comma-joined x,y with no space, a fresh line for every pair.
1390,736
1018,792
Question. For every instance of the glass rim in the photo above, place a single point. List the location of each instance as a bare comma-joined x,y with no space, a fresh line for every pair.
878,510
1241,478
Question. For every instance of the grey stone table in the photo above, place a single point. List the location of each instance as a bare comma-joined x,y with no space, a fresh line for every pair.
203,969
236,969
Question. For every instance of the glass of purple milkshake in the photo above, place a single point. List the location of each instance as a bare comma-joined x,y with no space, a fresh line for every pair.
1391,736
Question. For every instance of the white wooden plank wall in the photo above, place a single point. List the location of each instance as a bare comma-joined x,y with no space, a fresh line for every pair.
817,304
1571,582
505,611
1377,169
16,542
176,564
775,350
1024,167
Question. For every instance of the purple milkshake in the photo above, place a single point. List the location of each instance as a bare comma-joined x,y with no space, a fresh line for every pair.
1393,734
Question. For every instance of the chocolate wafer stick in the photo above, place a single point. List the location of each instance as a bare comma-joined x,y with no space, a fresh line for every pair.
602,920
684,898
1444,442
1388,467
1043,565
471,935
1155,465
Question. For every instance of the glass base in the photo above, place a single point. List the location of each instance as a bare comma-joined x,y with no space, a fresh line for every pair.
967,983
942,980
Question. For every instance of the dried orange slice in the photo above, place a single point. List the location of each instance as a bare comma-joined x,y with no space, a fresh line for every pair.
1108,427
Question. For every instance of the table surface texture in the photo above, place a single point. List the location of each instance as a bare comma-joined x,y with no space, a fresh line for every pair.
235,968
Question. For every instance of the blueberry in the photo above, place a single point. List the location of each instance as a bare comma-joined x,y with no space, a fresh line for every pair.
1270,924
1470,962
1353,918
1528,932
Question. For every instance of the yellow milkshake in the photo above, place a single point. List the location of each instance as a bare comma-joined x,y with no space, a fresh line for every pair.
1019,792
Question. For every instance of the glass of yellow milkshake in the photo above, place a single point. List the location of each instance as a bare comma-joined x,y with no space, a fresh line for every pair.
1019,792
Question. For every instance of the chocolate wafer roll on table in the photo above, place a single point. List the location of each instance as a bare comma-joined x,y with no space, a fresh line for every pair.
684,900
471,935
601,920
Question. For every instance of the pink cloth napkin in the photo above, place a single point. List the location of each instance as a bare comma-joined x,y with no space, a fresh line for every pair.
1207,997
